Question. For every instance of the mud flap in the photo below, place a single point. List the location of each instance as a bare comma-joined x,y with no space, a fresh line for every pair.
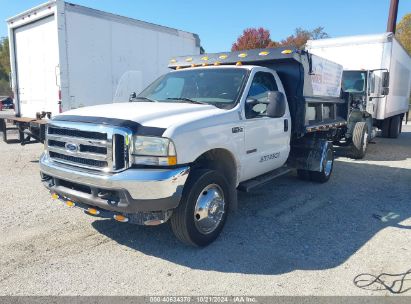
309,154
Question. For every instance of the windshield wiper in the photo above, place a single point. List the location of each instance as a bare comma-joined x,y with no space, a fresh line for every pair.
188,100
142,98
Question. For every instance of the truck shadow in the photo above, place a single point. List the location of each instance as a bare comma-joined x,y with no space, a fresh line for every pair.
384,149
289,224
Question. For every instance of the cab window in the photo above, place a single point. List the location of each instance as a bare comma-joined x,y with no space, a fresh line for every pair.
256,105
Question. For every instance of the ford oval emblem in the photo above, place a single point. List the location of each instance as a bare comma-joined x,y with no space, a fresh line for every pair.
70,147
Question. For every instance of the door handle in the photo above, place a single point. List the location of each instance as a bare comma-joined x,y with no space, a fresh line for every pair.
285,125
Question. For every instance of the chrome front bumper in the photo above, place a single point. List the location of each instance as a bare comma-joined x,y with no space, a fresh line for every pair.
129,191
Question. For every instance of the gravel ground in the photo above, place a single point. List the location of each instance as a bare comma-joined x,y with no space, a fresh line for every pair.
289,238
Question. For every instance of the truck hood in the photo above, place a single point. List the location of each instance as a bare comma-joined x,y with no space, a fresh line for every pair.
150,114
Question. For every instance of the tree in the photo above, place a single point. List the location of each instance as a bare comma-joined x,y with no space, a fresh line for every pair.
403,32
253,38
4,67
301,36
256,38
4,58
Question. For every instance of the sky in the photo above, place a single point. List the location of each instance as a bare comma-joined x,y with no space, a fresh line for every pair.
220,22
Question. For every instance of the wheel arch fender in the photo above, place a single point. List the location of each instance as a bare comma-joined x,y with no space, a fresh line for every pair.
223,160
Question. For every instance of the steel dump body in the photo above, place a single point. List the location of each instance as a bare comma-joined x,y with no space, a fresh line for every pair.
312,84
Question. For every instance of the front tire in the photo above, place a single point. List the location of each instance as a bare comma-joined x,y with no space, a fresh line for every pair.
202,212
359,140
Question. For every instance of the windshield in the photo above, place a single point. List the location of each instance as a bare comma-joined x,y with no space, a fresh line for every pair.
354,81
219,87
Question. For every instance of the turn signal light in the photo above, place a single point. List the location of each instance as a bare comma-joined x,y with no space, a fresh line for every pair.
120,218
55,196
172,160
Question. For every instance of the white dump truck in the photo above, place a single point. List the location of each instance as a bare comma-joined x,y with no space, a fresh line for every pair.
66,56
181,149
377,74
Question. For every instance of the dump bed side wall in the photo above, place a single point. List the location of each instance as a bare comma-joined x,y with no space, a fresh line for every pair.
310,105
110,56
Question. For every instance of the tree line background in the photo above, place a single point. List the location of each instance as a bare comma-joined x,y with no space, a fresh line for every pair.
251,38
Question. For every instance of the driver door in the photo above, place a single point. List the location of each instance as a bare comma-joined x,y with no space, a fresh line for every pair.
267,140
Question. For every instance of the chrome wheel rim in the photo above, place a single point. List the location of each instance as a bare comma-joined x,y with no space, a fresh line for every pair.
328,163
209,209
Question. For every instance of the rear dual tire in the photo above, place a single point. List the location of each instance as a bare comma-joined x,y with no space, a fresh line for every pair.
391,127
326,169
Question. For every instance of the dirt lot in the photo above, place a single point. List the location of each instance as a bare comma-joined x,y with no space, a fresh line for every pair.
289,238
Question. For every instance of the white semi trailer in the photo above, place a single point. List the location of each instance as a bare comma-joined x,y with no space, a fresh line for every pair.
377,74
66,56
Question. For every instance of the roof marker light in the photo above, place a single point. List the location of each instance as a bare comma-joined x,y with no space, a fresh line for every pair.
92,211
178,68
173,61
242,55
286,52
263,53
70,204
204,64
224,56
216,63
239,63
205,58
189,59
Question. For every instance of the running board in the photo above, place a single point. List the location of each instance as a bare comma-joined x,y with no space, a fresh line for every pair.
250,184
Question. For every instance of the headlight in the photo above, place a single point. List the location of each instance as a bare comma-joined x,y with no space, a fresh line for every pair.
154,151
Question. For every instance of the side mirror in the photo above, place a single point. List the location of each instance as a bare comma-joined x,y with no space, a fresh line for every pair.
385,83
132,96
385,79
276,104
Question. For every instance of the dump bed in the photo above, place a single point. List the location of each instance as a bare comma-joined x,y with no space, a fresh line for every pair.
312,84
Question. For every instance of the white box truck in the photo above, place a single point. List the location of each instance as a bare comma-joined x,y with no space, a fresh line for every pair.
66,56
377,74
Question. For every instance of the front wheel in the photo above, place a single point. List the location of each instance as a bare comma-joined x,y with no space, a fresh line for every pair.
202,212
359,140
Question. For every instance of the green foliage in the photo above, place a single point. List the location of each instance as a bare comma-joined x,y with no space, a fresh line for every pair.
4,67
403,32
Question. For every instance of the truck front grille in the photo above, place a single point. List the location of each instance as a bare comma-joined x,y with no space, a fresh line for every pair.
77,133
88,146
79,160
